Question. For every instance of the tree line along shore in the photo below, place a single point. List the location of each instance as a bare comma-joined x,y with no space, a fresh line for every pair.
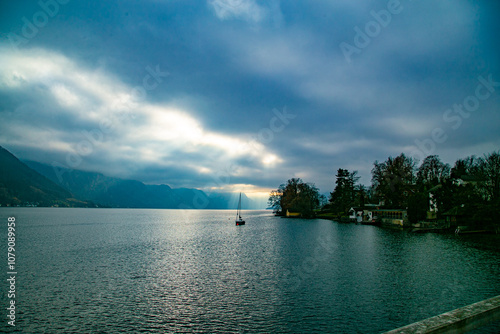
434,196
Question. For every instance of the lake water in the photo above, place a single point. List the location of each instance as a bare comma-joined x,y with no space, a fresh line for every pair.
164,271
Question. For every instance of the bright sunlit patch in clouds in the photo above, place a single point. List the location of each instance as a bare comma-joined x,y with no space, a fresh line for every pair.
248,189
58,73
270,159
159,135
64,95
258,195
180,130
204,170
168,124
13,79
37,65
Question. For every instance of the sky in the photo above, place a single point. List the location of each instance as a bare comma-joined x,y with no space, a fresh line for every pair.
242,95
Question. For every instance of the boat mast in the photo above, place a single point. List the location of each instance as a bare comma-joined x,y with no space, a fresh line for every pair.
238,215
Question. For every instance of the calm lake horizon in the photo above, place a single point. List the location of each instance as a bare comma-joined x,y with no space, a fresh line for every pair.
184,271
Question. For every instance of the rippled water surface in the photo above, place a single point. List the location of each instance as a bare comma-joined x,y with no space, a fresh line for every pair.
161,271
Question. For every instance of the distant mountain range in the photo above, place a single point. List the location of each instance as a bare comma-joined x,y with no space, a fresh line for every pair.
33,183
21,185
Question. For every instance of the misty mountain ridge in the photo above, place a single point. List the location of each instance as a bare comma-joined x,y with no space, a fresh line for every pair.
31,183
121,193
22,186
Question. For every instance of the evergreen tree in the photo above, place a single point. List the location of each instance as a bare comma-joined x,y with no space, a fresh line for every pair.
344,194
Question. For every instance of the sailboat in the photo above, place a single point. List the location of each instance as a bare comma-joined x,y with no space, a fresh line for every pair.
239,220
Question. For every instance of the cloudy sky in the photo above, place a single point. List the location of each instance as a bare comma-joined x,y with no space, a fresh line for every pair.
241,95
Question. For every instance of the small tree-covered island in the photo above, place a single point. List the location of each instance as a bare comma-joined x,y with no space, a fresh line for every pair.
432,197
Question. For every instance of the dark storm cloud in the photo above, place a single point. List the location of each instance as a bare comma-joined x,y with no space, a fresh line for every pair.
185,92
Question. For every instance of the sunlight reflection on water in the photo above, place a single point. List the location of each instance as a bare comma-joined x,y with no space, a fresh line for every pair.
111,270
